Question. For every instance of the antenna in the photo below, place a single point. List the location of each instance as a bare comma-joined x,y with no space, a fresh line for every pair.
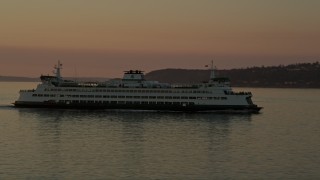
212,75
58,68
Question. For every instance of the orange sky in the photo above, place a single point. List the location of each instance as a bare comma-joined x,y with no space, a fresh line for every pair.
106,37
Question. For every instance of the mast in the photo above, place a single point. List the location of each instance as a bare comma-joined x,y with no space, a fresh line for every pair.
212,75
58,71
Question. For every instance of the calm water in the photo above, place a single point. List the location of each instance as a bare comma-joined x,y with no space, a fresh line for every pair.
283,142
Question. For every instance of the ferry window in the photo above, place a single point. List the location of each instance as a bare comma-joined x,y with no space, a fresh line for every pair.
113,96
136,97
152,97
121,96
52,95
98,96
176,97
144,97
223,98
34,95
168,97
160,97
192,97
128,96
202,98
176,103
61,95
160,102
168,103
184,97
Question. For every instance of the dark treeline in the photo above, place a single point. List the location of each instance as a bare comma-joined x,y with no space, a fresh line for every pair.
17,79
301,75
28,79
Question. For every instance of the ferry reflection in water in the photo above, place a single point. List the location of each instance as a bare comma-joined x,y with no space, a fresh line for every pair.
126,143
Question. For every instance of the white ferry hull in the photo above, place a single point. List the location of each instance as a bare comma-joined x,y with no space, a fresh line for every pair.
135,93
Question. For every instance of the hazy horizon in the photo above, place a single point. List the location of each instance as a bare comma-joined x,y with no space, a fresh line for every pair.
104,38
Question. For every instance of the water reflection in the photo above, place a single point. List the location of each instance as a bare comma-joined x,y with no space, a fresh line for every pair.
129,143
127,116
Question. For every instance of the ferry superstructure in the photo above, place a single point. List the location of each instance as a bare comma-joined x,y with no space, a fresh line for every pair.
133,91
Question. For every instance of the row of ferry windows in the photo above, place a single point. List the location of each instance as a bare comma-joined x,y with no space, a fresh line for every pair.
128,102
128,90
129,97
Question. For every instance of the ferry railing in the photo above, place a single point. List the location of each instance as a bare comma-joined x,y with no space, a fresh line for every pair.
190,86
27,90
237,93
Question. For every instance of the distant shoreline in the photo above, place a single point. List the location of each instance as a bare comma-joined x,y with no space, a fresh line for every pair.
302,75
29,79
235,86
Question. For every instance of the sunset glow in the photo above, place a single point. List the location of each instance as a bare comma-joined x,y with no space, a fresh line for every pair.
104,38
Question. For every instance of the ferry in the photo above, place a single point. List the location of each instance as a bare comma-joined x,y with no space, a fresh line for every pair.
134,92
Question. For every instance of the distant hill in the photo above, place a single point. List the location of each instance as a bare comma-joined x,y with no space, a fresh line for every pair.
302,75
